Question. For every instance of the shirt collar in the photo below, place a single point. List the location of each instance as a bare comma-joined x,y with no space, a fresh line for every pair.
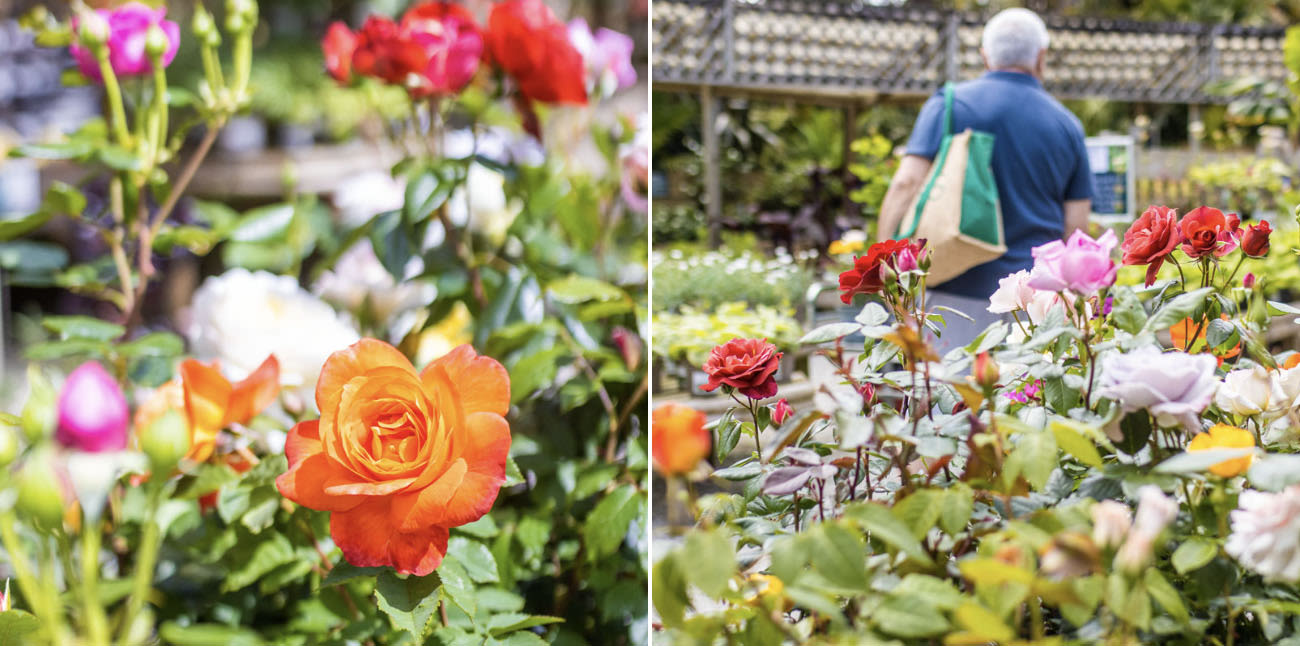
1014,77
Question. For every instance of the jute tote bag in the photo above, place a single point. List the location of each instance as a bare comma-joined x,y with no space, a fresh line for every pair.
957,210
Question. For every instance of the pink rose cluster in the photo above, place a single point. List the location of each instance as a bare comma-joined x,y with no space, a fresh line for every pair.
124,30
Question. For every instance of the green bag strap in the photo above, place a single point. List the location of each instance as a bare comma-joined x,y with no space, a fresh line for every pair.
939,160
947,108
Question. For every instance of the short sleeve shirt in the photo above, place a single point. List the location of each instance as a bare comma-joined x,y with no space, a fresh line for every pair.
1039,163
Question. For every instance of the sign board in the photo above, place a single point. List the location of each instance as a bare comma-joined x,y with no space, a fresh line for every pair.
1112,160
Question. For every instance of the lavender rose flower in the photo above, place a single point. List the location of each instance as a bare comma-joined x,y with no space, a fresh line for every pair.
1081,264
1175,387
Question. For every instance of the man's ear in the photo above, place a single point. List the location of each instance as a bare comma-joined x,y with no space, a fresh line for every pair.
985,57
1041,63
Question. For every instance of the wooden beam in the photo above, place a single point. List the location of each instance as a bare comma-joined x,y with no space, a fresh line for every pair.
709,105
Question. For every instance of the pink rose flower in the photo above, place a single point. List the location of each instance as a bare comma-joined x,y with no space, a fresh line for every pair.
128,27
608,55
1081,264
1014,293
93,415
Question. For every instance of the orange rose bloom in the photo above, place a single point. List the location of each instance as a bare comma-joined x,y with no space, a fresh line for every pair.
678,438
400,456
211,402
1183,329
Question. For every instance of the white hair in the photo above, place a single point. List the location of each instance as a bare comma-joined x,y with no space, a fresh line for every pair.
1014,38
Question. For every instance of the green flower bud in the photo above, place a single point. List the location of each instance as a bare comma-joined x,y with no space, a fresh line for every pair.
40,413
165,441
8,445
155,42
40,492
245,10
92,30
205,28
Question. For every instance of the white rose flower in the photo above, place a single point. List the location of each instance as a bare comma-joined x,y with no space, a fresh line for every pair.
1155,511
1110,523
358,279
1266,533
1248,391
240,317
361,197
481,202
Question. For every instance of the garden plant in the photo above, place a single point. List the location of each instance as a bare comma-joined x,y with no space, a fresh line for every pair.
425,425
1109,464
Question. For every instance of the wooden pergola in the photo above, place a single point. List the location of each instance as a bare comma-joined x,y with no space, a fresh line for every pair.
851,55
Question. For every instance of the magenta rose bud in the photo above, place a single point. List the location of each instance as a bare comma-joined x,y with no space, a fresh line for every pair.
93,415
1249,281
782,412
128,34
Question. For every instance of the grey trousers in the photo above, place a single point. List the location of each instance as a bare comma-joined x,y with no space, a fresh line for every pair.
958,331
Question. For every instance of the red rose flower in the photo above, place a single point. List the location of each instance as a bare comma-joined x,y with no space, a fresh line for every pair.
532,46
452,42
387,52
338,45
747,365
1206,230
1254,241
1151,239
865,276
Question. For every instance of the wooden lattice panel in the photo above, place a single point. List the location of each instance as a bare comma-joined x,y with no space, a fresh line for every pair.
822,48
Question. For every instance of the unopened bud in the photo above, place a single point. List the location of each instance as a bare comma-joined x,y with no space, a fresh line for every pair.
241,15
1249,281
986,371
40,492
205,28
93,30
155,42
165,441
8,445
40,413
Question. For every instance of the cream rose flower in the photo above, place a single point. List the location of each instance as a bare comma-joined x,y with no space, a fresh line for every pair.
1266,533
481,202
359,280
240,317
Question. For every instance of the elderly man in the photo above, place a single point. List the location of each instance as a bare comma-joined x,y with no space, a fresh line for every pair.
1040,164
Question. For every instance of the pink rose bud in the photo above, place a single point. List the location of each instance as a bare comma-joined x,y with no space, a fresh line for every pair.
127,37
93,415
986,370
629,345
782,412
868,393
1249,281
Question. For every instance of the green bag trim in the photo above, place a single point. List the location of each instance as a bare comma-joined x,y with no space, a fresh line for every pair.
980,211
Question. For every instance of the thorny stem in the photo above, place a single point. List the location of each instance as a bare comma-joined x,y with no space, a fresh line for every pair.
27,581
96,620
144,566
587,369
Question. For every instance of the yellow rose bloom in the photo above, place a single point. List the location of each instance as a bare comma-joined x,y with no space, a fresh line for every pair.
1222,436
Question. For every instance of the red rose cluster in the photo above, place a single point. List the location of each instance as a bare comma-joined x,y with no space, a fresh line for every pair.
437,47
867,275
1202,232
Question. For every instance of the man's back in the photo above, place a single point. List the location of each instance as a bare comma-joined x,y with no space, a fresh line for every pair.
1039,162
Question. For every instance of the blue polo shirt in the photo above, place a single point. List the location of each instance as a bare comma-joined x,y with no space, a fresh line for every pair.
1039,162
